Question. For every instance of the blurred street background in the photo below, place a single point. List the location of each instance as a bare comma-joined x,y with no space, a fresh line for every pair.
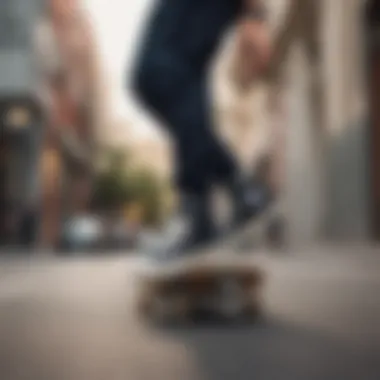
85,181
83,166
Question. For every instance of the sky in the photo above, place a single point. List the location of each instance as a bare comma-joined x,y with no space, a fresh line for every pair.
118,25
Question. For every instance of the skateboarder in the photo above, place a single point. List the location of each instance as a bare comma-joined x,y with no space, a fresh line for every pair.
171,78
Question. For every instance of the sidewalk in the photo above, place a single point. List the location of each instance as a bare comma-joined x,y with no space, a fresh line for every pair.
330,250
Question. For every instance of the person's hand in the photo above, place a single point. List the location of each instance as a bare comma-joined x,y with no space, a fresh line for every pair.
253,52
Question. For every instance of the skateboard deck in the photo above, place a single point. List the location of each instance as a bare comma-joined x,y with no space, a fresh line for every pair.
216,281
217,285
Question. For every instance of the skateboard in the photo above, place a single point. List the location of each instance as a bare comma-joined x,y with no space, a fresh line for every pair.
217,287
217,282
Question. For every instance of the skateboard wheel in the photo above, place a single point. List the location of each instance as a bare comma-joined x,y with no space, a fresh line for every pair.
180,306
154,310
253,312
165,308
276,235
231,299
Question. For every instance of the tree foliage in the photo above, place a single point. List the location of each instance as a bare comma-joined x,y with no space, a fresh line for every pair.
119,184
110,187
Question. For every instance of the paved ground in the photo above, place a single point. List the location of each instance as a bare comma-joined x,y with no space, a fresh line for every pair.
73,320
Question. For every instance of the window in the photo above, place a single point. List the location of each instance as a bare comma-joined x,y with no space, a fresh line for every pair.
46,47
14,24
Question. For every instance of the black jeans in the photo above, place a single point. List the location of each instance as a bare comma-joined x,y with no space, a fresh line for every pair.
171,78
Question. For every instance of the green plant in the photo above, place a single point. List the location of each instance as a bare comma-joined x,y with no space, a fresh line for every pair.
146,189
119,184
111,188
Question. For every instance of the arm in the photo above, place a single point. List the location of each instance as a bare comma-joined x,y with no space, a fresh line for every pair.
254,10
253,44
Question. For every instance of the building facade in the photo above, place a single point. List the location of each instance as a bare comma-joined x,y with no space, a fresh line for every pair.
325,57
371,30
48,70
21,125
68,73
317,112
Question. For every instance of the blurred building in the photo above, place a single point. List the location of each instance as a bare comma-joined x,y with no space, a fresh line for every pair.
154,154
371,30
67,57
21,123
150,150
329,138
319,107
48,66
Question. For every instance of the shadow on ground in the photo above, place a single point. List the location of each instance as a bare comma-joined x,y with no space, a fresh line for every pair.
274,349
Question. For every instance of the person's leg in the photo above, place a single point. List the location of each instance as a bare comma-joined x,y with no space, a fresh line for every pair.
171,79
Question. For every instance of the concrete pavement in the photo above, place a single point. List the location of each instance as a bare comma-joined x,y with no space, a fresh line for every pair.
73,320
